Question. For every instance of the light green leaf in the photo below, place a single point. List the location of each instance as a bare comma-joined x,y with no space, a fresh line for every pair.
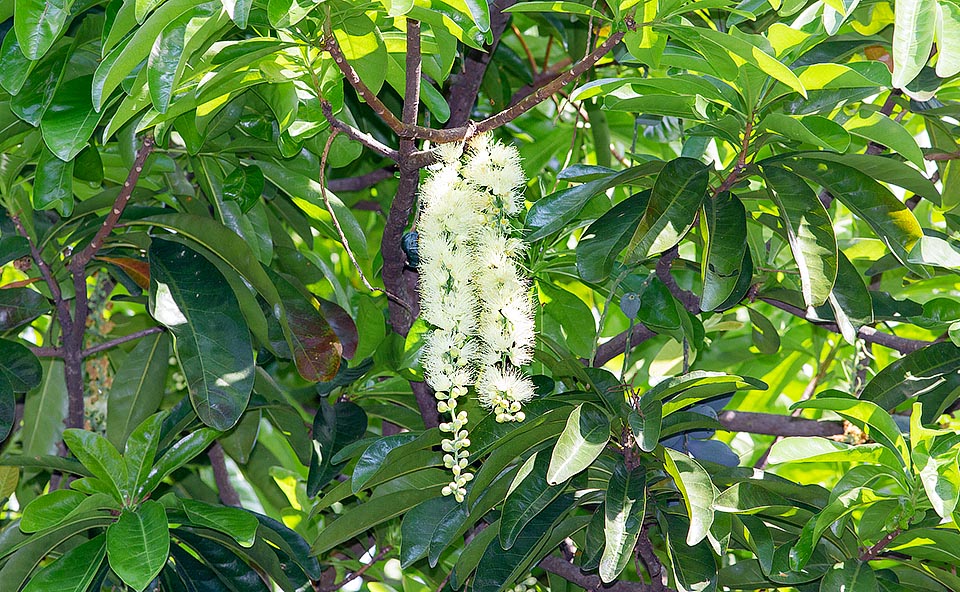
557,7
879,128
580,443
48,510
38,23
624,507
948,38
138,544
913,32
138,387
697,490
810,129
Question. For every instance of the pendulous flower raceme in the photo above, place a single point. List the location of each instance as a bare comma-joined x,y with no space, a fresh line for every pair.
473,291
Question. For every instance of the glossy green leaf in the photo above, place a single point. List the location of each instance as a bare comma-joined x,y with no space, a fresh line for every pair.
724,226
530,493
53,184
674,202
429,524
138,544
73,571
334,427
844,504
164,64
809,233
874,420
850,300
764,334
552,212
646,424
886,169
102,459
138,387
70,120
889,218
182,452
244,185
557,7
15,67
19,306
13,247
38,24
44,410
238,524
374,457
797,449
624,507
581,442
879,128
285,13
567,318
913,32
190,297
607,237
947,38
930,373
933,250
141,449
49,510
693,567
810,129
697,490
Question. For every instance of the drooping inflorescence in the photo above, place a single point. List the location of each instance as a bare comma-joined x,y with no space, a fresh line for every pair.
473,291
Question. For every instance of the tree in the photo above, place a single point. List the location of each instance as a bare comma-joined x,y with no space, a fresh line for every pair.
737,230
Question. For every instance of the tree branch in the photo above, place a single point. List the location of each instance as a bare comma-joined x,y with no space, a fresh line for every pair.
228,495
355,134
777,425
361,182
868,334
689,300
614,346
80,260
872,552
363,569
572,573
120,340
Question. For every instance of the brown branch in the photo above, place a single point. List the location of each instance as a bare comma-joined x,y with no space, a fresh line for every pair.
572,573
361,182
650,559
414,63
777,425
741,164
45,352
689,300
539,80
120,340
355,134
42,265
228,495
868,334
872,552
81,259
615,346
363,569
942,156
466,85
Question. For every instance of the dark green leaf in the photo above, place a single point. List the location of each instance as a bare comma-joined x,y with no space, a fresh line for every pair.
102,459
49,509
19,306
316,348
646,424
848,576
624,507
530,494
429,524
138,544
725,230
374,457
190,297
930,373
73,571
244,185
850,300
182,452
604,240
69,121
53,184
334,427
764,334
138,387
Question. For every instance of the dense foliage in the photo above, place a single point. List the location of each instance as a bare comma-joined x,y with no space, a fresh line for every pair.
732,228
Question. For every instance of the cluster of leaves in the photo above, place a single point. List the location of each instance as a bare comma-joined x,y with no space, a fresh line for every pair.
779,235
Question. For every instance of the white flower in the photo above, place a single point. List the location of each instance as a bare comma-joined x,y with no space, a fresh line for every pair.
449,153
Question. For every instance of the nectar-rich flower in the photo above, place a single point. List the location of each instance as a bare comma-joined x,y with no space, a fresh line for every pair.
473,291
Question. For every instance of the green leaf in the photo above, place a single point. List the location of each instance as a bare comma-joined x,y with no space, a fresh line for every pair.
137,387
369,514
436,519
889,218
44,410
286,13
581,442
880,168
374,457
764,334
182,452
361,44
930,373
850,300
38,23
604,240
694,568
190,297
697,490
738,48
102,459
306,192
239,524
797,449
530,493
8,407
19,306
624,507
557,8
13,247
699,385
846,503
810,129
70,120
874,420
674,201
53,184
15,67
73,571
244,185
877,127
49,509
809,233
913,31
125,57
646,424
568,318
933,250
552,212
138,544
166,59
141,450
316,348
948,39
334,428
724,227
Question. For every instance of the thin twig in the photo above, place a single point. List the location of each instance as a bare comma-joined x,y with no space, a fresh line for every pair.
80,260
38,259
363,569
228,495
361,182
336,222
120,340
741,164
872,552
355,134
